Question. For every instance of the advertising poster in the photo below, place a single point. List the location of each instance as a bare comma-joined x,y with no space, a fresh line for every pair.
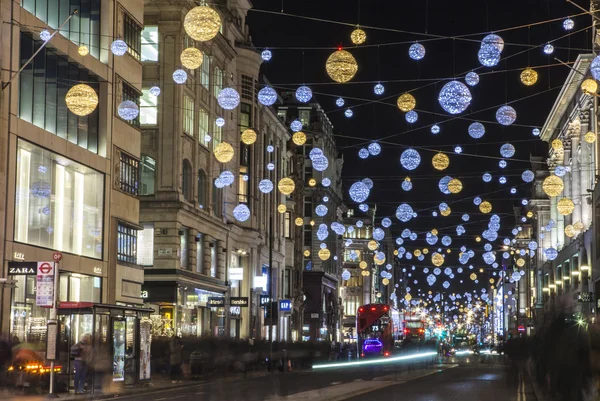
145,342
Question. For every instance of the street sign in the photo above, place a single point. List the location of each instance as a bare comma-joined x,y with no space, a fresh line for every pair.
44,295
285,305
52,341
521,329
57,256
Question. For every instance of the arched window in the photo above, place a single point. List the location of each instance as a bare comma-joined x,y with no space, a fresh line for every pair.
202,189
148,175
186,183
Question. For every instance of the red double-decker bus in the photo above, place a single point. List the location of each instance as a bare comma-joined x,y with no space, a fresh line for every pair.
378,329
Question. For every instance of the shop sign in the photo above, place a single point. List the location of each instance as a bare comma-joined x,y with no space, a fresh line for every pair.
144,294
241,302
19,256
165,251
22,268
236,273
585,297
216,302
44,295
264,300
314,315
285,305
97,270
235,311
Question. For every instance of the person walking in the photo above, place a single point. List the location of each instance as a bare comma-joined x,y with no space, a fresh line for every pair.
176,358
82,355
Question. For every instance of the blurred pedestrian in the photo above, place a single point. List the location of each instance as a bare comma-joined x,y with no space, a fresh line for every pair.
5,360
176,358
82,354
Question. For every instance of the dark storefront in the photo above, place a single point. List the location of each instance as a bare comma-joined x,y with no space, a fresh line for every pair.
321,316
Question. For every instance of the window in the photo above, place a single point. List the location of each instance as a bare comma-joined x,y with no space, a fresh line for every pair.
186,181
287,283
247,87
128,173
145,256
184,245
218,81
307,235
243,185
351,304
150,43
282,114
43,85
132,35
188,115
82,29
213,258
148,108
245,116
217,135
148,175
58,202
304,116
127,243
130,93
205,78
202,189
287,225
202,126
199,253
216,202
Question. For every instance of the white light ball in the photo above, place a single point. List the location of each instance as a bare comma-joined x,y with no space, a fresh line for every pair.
404,212
493,40
536,132
266,55
228,98
320,163
412,116
326,182
458,149
315,152
339,102
303,94
379,89
155,91
528,176
455,97
348,113
321,210
296,125
270,166
476,130
118,47
45,35
265,186
374,149
207,138
179,76
443,185
416,51
267,96
270,148
568,24
227,178
359,192
410,159
488,56
435,129
241,212
128,110
363,153
472,78
548,49
502,163
220,122
506,115
507,150
368,182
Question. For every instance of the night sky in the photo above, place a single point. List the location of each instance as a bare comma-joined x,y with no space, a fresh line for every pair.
445,59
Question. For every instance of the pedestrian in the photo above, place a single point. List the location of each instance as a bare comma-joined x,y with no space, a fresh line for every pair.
176,359
82,354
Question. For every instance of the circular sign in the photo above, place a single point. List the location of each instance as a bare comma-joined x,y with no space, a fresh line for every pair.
57,256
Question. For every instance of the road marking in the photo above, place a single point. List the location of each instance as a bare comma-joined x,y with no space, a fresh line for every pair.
334,383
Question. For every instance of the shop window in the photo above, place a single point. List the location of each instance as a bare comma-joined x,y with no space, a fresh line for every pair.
243,184
129,170
76,287
304,116
205,77
148,108
213,258
188,115
202,189
126,243
247,87
184,247
132,35
351,304
82,29
287,225
203,126
186,180
145,254
43,85
199,253
218,83
148,175
245,116
149,43
130,93
58,202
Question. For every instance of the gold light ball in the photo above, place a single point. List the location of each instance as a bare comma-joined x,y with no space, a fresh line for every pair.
437,259
224,152
473,276
492,282
446,212
83,50
378,261
570,231
589,86
553,185
299,138
248,136
395,252
434,231
306,253
312,182
362,264
406,102
557,144
324,254
520,262
590,137
417,253
440,161
358,36
529,76
191,58
365,273
408,297
565,206
312,223
578,226
286,185
202,23
341,66
485,207
299,221
282,208
81,99
372,245
448,250
385,281
455,186
529,214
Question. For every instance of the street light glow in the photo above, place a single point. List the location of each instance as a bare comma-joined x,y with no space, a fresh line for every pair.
376,361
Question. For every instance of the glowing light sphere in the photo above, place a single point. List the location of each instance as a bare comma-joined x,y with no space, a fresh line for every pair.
296,125
191,58
267,96
326,182
560,171
266,55
502,163
207,138
431,279
578,226
485,207
339,102
320,163
378,234
589,86
502,180
528,176
488,56
299,221
228,98
118,47
265,186
128,110
358,36
590,137
535,132
45,35
404,212
363,153
506,115
83,50
202,23
465,217
507,150
412,116
248,136
303,94
282,208
458,149
227,178
378,89
416,51
460,230
551,253
348,113
299,138
529,77
477,201
553,185
440,161
341,66
487,177
241,212
386,222
220,122
363,207
321,210
443,185
472,78
455,97
435,129
437,259
270,148
372,245
180,76
286,186
406,102
346,275
455,186
359,192
410,159
224,152
446,240
476,130
81,99
407,184
493,40
568,24
324,254
374,148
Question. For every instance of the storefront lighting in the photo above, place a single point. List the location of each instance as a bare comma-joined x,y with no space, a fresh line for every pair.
585,268
575,273
552,286
565,278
